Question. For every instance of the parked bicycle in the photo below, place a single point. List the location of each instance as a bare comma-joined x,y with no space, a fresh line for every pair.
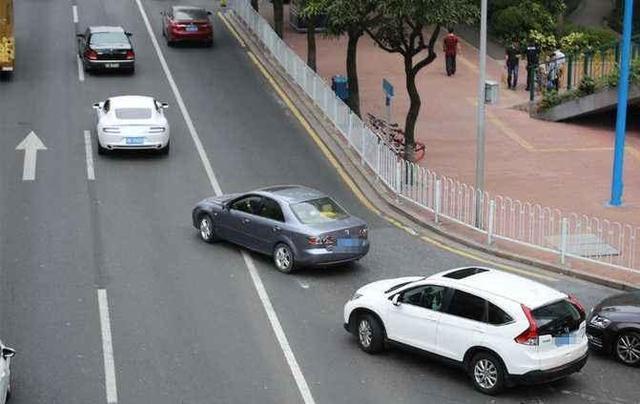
392,135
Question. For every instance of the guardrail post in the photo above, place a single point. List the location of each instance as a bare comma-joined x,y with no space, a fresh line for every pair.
438,199
315,79
363,140
490,225
563,240
398,182
569,72
532,84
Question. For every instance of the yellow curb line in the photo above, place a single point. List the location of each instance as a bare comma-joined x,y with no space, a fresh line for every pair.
230,28
332,160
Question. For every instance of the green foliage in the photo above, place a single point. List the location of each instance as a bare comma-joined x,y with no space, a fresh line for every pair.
580,39
587,86
516,21
547,43
549,100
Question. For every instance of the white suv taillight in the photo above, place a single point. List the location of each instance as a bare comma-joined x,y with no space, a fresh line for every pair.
111,130
530,335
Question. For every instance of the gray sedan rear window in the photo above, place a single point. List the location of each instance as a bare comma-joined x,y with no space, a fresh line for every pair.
316,211
133,113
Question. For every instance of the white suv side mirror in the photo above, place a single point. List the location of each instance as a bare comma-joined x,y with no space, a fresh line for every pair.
395,300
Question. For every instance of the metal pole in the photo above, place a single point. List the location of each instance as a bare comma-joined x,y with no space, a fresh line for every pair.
481,117
623,94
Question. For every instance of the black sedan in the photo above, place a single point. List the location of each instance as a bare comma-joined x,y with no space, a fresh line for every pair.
106,48
614,327
296,225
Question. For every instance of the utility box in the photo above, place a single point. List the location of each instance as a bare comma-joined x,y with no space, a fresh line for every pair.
491,91
340,86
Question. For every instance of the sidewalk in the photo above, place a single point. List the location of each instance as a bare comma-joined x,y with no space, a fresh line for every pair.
559,165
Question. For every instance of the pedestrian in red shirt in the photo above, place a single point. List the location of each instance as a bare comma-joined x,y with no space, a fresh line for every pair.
450,47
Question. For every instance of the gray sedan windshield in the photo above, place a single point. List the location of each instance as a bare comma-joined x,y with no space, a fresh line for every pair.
316,211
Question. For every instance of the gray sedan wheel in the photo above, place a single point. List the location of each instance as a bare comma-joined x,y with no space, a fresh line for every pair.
283,258
205,225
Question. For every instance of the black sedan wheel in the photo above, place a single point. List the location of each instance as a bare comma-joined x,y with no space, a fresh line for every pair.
627,348
283,258
206,229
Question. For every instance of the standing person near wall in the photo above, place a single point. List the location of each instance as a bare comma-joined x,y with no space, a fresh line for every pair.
512,60
451,47
533,60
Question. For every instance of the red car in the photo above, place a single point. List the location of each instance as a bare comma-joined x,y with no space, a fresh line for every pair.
187,24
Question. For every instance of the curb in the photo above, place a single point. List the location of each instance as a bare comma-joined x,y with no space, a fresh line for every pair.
366,181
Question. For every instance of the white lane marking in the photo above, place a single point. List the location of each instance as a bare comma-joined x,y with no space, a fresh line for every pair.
31,144
80,69
74,8
91,175
278,330
107,348
183,109
262,293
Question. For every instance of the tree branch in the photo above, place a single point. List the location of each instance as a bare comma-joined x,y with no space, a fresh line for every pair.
431,55
380,44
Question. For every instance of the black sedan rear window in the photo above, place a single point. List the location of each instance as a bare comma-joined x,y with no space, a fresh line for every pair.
108,39
190,14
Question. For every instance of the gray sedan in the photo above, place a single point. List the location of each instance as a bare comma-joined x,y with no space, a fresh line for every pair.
298,226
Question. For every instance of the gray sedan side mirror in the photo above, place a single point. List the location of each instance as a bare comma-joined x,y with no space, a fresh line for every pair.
8,352
396,300
80,36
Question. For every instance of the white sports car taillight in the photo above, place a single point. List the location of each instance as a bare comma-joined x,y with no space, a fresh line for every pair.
157,129
111,130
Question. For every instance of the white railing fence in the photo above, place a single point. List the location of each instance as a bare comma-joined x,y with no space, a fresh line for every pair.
569,235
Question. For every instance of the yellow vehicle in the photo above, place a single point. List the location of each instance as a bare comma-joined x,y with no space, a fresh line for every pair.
7,41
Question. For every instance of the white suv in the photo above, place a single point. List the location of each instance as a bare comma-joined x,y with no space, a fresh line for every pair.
503,329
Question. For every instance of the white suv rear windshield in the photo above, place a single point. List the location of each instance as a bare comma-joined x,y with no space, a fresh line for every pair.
557,318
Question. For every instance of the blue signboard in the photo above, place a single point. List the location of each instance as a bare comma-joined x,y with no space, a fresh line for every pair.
388,88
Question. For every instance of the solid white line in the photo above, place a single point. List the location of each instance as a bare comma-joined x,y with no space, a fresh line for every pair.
262,293
91,175
80,69
183,109
107,348
75,13
278,330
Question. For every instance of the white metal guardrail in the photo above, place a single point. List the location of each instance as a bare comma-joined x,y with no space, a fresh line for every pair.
569,235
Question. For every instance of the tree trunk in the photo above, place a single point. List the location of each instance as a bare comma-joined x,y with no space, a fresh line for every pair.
311,43
352,71
278,17
414,108
254,4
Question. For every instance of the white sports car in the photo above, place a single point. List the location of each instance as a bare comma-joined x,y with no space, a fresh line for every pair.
6,354
132,122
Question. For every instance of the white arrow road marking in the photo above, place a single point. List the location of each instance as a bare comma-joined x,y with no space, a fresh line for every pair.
31,144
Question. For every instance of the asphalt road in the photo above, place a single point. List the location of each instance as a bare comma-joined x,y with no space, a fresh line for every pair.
186,322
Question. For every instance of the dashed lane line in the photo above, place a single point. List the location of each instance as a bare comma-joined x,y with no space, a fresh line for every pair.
107,348
74,9
89,155
80,69
281,337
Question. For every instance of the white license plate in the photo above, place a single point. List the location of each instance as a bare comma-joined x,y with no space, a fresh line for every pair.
192,28
112,65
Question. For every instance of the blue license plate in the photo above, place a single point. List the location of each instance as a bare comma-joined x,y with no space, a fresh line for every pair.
348,242
135,140
192,28
566,339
